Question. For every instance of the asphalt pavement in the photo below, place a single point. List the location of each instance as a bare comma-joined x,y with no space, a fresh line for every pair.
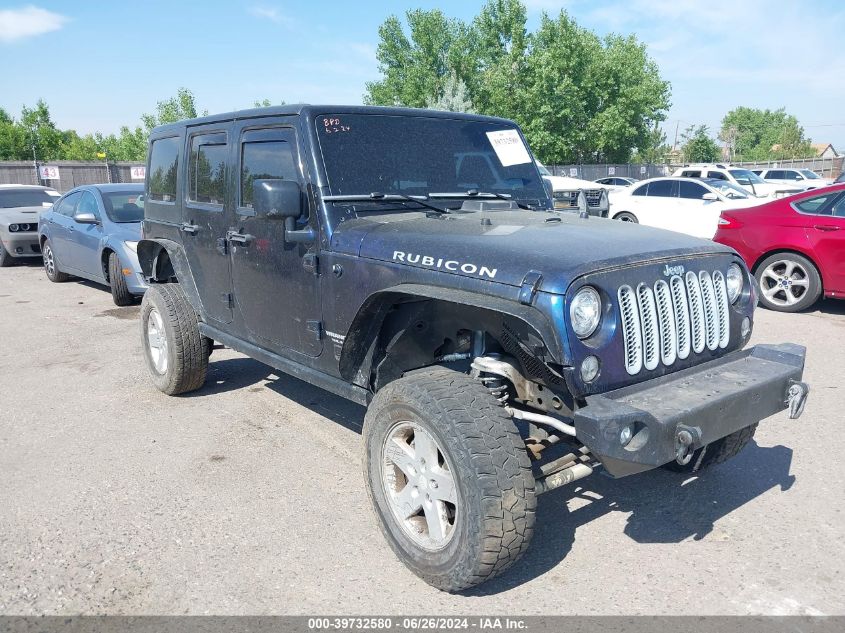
247,497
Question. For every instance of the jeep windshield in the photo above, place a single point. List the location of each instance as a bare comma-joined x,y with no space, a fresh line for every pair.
420,156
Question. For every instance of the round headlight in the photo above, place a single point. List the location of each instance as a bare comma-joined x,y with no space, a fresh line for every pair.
735,281
585,312
13,228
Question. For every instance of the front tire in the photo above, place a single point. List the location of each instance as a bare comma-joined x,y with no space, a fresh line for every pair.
716,452
51,266
788,282
449,478
176,352
119,290
626,216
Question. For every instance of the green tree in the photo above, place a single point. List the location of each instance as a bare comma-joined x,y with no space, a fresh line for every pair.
755,135
699,146
182,106
654,149
578,97
454,98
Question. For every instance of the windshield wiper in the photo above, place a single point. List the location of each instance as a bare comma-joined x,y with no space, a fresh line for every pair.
474,194
376,196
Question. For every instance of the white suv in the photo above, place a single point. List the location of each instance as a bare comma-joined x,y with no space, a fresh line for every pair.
803,178
744,178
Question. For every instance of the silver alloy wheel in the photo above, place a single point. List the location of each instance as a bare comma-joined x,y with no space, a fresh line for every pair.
49,262
784,282
419,486
157,341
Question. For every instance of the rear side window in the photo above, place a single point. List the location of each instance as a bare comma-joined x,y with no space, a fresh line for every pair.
265,155
663,189
691,174
775,174
691,190
717,175
207,170
164,155
817,205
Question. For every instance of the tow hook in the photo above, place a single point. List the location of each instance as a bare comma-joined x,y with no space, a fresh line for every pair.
687,438
796,398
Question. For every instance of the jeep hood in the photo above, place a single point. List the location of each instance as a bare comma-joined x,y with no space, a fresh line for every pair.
560,246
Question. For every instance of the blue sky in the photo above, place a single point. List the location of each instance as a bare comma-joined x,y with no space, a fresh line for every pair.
101,64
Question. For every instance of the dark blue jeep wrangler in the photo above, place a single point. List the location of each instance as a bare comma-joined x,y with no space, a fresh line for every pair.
412,261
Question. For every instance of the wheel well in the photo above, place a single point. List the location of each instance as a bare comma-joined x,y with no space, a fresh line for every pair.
616,215
778,251
104,261
411,332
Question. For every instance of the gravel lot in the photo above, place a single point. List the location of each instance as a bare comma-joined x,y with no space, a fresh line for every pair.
247,497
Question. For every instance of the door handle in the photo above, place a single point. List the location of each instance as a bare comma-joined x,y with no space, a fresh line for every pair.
239,238
189,228
826,227
71,228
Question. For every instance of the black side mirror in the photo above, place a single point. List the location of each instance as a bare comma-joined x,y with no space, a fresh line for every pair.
275,199
85,218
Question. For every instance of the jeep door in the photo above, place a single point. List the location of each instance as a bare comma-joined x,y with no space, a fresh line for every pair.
275,282
207,214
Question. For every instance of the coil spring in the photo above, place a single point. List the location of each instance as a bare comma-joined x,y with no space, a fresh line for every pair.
498,387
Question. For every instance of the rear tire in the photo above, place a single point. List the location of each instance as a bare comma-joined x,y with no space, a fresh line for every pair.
626,216
803,283
443,426
176,352
119,291
716,452
5,258
51,266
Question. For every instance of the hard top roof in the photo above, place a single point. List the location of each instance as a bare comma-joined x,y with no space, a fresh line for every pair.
310,110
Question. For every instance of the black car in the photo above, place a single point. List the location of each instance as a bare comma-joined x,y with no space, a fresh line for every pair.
412,261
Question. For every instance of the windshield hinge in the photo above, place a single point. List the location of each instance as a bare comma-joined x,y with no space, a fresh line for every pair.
315,328
311,263
530,285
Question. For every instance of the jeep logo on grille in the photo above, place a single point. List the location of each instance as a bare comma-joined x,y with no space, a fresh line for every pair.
673,270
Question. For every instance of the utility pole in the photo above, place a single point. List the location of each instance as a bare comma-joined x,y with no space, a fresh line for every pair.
34,158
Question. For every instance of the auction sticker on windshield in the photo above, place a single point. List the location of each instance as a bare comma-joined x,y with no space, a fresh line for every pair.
509,147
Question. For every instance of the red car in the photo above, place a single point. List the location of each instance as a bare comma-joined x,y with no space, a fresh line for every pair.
794,246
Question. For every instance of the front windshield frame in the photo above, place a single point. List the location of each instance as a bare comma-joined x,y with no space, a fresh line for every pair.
741,175
415,155
123,215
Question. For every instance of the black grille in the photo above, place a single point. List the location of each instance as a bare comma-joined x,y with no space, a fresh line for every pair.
593,197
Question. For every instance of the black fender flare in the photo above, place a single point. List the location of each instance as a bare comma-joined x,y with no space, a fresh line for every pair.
355,356
150,254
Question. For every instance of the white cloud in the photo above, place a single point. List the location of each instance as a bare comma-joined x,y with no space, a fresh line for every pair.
30,21
273,15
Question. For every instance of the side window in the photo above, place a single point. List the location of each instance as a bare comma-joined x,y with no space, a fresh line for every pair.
207,169
663,189
265,154
68,205
88,204
691,190
691,174
717,175
839,207
817,205
775,174
642,190
164,154
791,174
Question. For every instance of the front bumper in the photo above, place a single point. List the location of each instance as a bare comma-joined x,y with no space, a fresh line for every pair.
686,410
23,244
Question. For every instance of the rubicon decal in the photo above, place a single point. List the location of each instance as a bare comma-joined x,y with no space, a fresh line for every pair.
451,265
